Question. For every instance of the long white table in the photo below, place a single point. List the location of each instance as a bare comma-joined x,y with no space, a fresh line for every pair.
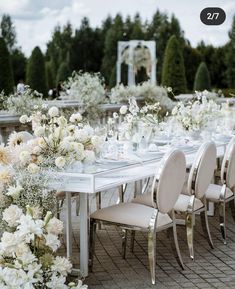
103,177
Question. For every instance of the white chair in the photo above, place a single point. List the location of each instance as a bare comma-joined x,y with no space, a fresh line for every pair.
222,194
192,199
138,217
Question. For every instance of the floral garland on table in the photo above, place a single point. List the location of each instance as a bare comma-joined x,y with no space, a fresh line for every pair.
27,250
196,115
87,89
150,92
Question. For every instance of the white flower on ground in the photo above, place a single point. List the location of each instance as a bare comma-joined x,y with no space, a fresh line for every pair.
33,168
61,265
53,111
24,119
14,191
12,215
55,226
123,109
75,117
60,162
52,241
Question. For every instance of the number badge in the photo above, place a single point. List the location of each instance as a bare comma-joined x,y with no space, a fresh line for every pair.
213,16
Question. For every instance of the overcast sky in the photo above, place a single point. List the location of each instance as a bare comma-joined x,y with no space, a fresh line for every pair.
35,19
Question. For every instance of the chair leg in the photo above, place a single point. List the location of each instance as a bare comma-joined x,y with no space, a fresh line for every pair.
124,241
132,241
172,233
152,253
205,227
232,206
189,222
98,206
92,243
222,221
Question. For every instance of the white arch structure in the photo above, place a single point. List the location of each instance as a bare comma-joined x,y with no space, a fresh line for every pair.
131,46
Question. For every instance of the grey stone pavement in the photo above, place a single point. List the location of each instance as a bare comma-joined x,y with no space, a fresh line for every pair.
212,268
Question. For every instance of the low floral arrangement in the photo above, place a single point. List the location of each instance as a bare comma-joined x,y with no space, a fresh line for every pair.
132,118
25,102
60,142
87,89
194,116
149,92
27,250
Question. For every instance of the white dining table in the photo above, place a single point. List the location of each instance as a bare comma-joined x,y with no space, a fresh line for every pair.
102,177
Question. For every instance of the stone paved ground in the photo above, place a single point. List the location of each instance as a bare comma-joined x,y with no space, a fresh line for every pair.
211,268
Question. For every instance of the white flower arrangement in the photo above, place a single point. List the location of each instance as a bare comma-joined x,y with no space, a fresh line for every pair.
22,103
87,89
28,252
150,92
194,116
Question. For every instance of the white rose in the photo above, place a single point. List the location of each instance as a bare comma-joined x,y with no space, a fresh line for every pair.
55,226
75,117
123,109
24,156
53,111
24,119
12,215
60,162
33,168
9,243
39,131
61,265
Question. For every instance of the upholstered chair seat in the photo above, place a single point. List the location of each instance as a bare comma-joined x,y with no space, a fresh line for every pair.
223,194
213,193
156,215
131,214
183,202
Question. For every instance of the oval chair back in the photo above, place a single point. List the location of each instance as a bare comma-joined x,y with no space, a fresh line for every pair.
202,170
168,181
228,165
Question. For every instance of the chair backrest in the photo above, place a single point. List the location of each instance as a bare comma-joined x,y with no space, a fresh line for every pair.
168,181
228,165
202,170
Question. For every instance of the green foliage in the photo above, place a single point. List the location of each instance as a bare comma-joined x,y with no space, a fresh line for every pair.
63,72
6,74
36,72
192,59
230,59
173,74
50,75
19,63
8,32
202,78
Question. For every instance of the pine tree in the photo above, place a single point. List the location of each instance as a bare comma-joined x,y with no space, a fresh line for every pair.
63,72
6,74
230,59
36,72
173,74
8,32
50,75
202,78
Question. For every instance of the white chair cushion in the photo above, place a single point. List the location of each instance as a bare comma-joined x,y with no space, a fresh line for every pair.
130,214
183,202
213,193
